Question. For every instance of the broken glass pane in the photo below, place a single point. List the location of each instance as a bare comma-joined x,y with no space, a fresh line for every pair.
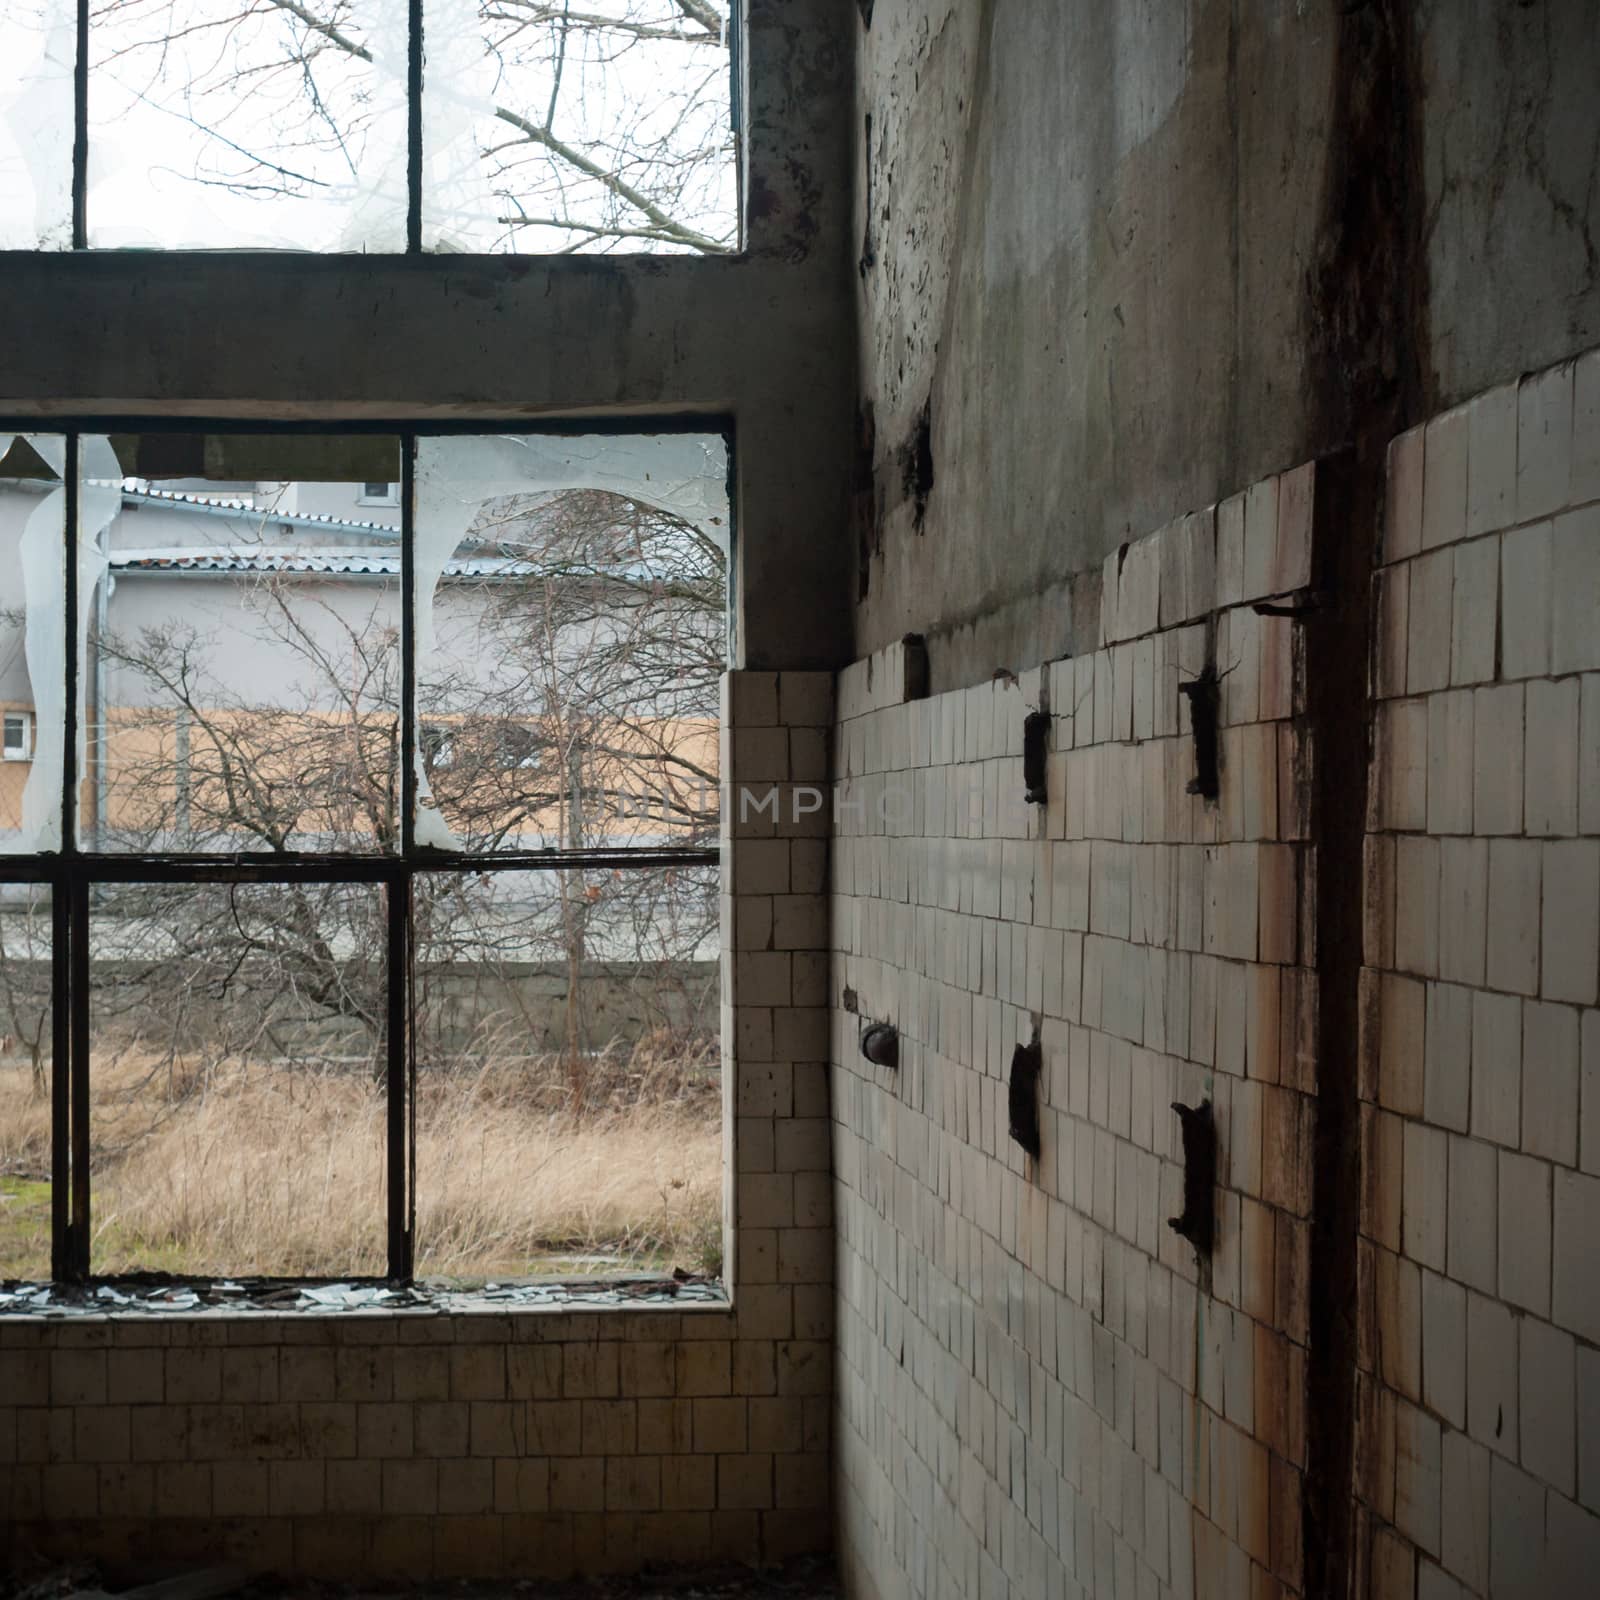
38,51
25,1061
239,678
33,658
227,123
568,1103
571,606
237,1104
600,127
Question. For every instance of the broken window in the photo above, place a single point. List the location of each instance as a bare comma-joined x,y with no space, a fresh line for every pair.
38,53
240,684
572,603
564,128
33,522
314,997
290,124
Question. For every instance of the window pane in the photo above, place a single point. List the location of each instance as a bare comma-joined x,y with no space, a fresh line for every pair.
237,1079
33,505
24,1081
568,1101
240,676
571,606
600,127
228,123
38,49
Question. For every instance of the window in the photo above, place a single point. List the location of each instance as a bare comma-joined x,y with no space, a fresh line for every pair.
18,736
234,124
379,494
359,905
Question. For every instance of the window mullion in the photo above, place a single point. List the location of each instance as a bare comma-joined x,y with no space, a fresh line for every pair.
78,1068
61,1250
401,1109
80,133
69,623
400,1120
414,129
408,645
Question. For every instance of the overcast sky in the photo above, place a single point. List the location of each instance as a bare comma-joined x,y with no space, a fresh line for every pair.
337,131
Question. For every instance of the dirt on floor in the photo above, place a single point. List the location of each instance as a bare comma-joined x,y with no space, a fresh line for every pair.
806,1579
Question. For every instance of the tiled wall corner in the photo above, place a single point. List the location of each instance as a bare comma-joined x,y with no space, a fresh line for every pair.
1479,1419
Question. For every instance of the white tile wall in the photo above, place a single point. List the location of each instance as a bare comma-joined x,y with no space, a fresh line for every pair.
1036,1379
1485,808
1039,1392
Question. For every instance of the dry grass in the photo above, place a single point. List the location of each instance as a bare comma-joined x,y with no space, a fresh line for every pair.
252,1170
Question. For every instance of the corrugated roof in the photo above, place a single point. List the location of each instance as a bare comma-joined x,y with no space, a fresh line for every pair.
175,497
265,559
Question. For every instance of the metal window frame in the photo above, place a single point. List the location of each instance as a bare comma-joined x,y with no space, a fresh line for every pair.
737,29
73,873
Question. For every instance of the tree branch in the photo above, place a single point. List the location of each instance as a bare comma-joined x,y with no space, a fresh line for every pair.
669,228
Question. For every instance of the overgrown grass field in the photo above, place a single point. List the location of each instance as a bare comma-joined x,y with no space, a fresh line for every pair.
243,1169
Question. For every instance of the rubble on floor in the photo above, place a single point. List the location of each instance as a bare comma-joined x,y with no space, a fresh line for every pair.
808,1578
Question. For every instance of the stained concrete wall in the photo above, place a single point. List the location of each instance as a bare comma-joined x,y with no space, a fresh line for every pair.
1118,264
1128,259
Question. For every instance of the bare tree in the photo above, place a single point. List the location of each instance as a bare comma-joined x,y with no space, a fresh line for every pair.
593,722
599,124
25,977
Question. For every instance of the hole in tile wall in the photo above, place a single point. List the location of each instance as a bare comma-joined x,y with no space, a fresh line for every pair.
1197,1224
1035,751
1026,1062
1204,698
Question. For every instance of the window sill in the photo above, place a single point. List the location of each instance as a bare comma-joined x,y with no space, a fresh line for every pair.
224,1299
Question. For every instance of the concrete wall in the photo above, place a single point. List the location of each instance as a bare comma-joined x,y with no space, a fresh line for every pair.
1128,259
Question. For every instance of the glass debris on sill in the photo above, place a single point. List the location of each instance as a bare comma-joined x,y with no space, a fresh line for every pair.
226,1296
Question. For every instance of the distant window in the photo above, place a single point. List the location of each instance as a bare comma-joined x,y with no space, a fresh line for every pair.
521,747
18,736
379,494
436,747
